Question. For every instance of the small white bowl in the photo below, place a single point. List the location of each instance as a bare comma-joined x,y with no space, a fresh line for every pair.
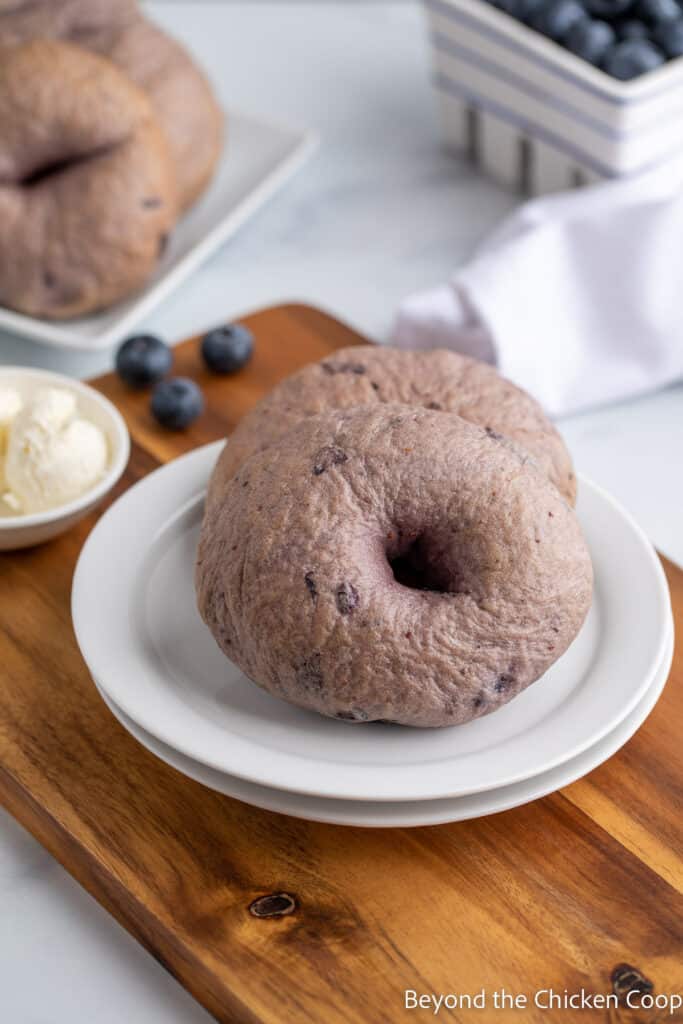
23,531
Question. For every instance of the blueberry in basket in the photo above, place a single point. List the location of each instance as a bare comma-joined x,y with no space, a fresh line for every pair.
557,18
523,10
227,349
656,11
608,9
631,58
625,38
591,39
143,360
631,29
669,35
177,402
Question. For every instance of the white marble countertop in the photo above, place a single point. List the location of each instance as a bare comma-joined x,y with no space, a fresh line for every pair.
379,212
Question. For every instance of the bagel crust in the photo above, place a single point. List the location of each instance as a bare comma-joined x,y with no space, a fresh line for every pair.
180,93
182,98
87,188
392,564
375,374
22,21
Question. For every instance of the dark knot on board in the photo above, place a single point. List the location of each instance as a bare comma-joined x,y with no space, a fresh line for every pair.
627,979
275,904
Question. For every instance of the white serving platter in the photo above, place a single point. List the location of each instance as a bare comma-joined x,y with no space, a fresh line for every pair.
258,158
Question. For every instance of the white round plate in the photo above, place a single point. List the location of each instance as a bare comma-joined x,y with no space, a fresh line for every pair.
136,622
412,813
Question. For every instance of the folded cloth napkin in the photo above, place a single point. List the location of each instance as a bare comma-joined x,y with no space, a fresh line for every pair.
577,297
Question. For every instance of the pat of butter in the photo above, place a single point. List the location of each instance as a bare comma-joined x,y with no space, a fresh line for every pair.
10,504
53,455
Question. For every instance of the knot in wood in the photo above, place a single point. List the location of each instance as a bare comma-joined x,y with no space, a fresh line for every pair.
275,904
627,979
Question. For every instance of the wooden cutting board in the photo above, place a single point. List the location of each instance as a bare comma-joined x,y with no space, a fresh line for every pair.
559,894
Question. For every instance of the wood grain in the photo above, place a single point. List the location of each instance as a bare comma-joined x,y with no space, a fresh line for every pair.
555,894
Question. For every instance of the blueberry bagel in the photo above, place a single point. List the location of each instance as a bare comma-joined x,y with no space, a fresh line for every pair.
79,21
180,92
392,564
438,380
87,190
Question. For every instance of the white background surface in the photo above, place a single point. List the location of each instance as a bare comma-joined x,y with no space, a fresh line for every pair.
379,212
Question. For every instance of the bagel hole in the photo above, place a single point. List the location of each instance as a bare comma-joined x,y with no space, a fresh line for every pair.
413,569
52,165
39,174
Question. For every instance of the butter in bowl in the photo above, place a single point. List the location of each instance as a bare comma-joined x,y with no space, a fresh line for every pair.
63,446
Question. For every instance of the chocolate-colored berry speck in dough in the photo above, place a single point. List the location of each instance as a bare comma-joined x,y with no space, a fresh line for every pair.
375,374
425,579
347,598
330,455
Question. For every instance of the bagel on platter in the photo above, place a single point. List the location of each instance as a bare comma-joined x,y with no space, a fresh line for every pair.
376,374
180,92
182,98
77,21
389,563
87,186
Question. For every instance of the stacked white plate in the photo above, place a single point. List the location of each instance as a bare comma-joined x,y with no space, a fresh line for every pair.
258,159
161,674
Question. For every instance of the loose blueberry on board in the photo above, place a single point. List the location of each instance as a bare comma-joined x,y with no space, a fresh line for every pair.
669,35
176,403
142,360
590,40
556,18
656,11
227,349
631,58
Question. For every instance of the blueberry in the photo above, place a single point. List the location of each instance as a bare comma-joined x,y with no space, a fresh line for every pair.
143,360
632,29
556,18
523,10
669,35
227,349
658,10
631,58
177,402
608,9
590,39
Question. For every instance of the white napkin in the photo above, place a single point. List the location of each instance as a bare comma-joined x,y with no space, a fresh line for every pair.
577,297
